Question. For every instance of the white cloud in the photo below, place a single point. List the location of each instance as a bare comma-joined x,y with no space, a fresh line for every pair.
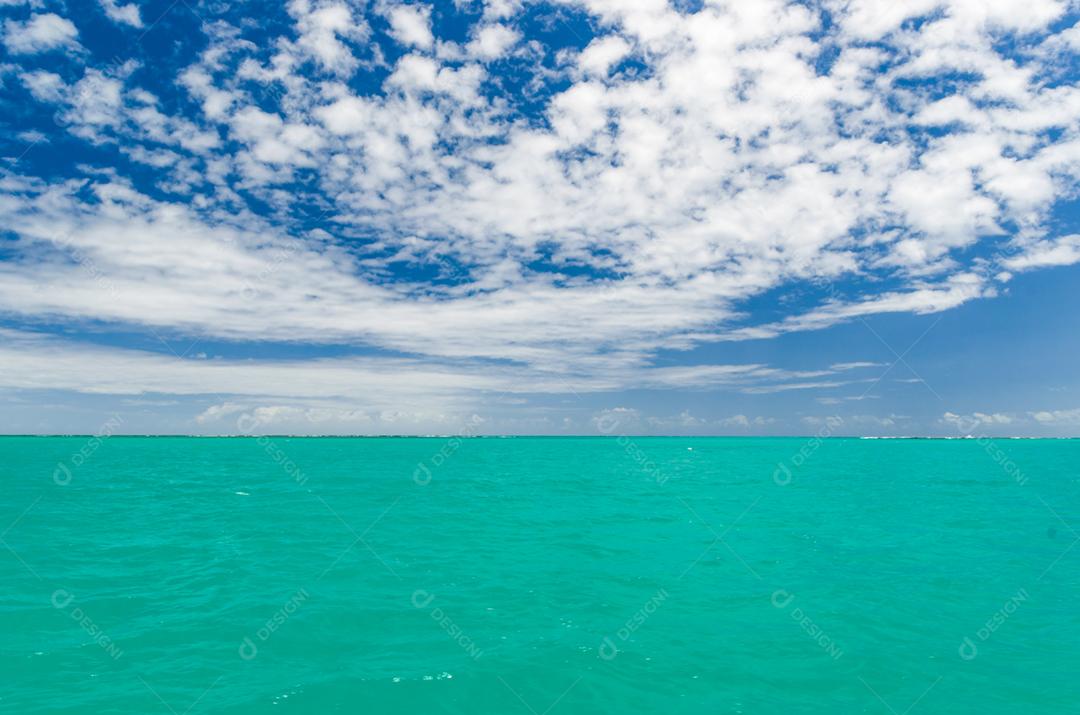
1057,417
492,41
411,25
348,115
37,362
329,418
255,285
881,422
500,9
745,422
663,194
45,86
602,53
1063,251
617,421
323,25
235,418
965,424
42,32
828,423
32,136
787,387
859,365
218,412
124,14
922,299
376,383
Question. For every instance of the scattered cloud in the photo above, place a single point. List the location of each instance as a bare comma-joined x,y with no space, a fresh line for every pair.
1057,417
601,54
856,365
411,25
41,33
123,14
1063,251
494,208
325,29
967,423
492,41
746,422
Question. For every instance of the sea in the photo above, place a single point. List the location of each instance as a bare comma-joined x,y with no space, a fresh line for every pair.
539,576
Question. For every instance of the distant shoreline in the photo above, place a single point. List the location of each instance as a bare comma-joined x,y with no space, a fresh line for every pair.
538,436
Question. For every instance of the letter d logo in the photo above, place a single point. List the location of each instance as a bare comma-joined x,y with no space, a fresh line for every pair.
247,649
421,475
608,651
247,423
782,475
606,424
781,598
61,475
968,650
61,598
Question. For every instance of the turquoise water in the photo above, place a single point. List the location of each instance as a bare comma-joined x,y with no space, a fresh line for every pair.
538,575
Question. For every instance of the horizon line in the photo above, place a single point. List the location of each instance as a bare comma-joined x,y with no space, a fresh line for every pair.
536,436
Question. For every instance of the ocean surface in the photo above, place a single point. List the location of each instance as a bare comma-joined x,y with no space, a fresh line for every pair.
539,575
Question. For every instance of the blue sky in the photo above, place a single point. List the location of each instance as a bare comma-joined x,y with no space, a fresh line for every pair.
332,217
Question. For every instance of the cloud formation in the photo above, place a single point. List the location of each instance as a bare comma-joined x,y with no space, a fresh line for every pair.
41,33
564,207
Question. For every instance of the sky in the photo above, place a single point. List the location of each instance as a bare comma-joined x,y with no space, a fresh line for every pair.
828,217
